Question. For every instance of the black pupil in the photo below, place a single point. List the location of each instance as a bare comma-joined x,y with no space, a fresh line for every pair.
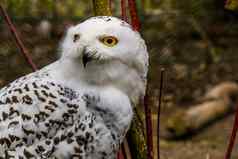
109,41
76,37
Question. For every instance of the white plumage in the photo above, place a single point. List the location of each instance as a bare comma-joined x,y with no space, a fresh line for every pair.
80,106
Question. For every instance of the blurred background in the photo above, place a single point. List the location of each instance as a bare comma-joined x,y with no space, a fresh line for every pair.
196,41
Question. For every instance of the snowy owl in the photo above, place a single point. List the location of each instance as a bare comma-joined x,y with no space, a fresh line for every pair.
80,106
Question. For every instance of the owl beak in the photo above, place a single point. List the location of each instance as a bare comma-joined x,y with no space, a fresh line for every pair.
86,58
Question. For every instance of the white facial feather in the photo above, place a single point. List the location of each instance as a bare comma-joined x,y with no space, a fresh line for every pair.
123,65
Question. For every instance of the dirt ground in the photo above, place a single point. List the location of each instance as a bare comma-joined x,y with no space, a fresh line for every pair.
209,143
193,62
191,70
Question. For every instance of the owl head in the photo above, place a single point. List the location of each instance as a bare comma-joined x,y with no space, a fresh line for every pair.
108,51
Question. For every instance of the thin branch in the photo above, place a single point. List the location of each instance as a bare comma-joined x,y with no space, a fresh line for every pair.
159,110
126,150
120,154
17,38
149,134
123,10
134,16
233,137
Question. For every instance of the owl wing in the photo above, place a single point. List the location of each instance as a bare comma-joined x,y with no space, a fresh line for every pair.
39,117
75,141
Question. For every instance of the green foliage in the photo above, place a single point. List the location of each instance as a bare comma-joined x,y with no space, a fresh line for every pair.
46,8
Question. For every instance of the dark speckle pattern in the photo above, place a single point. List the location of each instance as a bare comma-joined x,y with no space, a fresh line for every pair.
40,118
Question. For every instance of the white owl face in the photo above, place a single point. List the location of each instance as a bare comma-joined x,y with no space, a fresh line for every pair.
106,51
103,39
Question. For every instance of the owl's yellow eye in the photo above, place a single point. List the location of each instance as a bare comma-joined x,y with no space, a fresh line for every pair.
109,41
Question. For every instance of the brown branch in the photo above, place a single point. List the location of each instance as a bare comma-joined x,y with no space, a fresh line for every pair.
149,134
123,10
159,110
126,150
17,38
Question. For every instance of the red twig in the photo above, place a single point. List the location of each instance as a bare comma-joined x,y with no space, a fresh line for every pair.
123,10
149,134
120,154
134,16
159,110
17,38
233,136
